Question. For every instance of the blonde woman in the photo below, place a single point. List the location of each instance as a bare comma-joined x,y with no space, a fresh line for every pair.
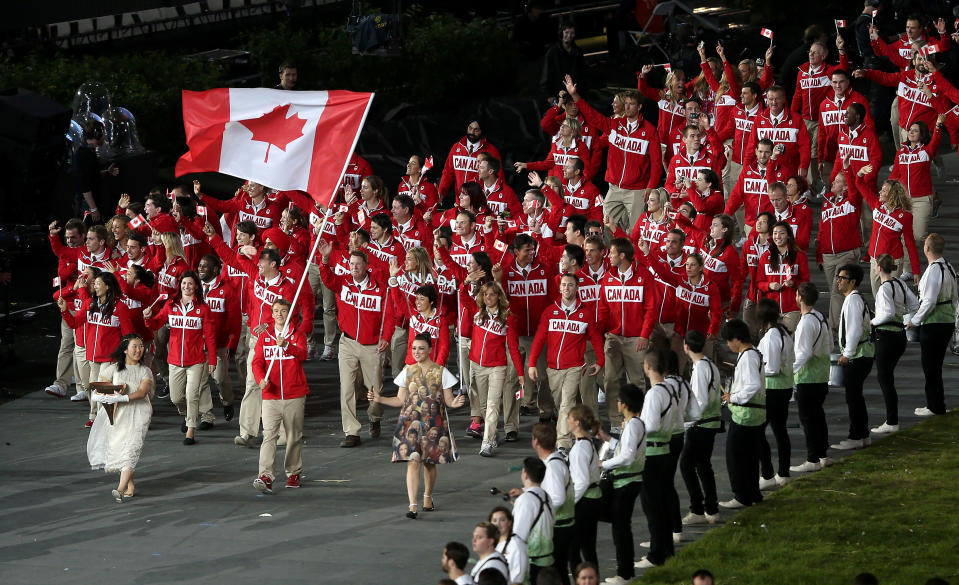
417,271
672,113
119,230
493,332
170,266
569,144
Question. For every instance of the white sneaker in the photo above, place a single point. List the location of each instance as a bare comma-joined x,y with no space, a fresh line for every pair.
767,484
643,563
826,462
80,396
329,354
924,412
885,428
55,390
712,518
848,444
782,481
645,544
617,580
601,396
732,504
677,537
486,450
806,467
692,519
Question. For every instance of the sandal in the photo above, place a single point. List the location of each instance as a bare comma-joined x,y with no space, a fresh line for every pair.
118,496
431,507
412,512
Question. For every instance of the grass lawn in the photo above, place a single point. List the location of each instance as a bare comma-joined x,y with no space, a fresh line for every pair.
892,510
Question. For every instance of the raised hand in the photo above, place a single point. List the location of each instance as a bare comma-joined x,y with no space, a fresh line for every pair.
124,201
534,179
645,70
54,229
196,187
570,86
721,51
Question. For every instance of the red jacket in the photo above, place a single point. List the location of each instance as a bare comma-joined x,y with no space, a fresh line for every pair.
698,306
191,331
588,134
724,269
501,198
358,216
439,329
168,275
634,159
706,205
889,229
865,150
529,294
559,154
900,50
565,335
743,121
392,250
584,199
413,233
839,225
136,299
671,116
650,231
491,339
790,132
685,166
361,313
287,379
102,334
356,170
765,275
448,217
424,193
224,302
265,215
913,165
752,250
832,118
752,191
813,86
626,304
799,218
913,104
462,165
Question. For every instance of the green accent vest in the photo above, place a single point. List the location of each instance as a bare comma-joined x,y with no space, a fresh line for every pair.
593,492
634,471
711,418
565,514
657,442
896,324
784,379
539,546
753,413
816,368
945,309
865,348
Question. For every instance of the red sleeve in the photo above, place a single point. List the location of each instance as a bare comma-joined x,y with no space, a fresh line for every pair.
307,305
209,335
158,319
798,99
886,50
296,346
767,79
708,76
910,241
459,273
749,153
715,311
233,205
871,198
595,333
650,93
234,319
539,341
448,178
933,147
803,269
233,258
843,63
602,320
593,117
736,278
655,161
74,321
330,279
259,362
882,78
736,197
443,343
649,312
735,89
945,88
552,120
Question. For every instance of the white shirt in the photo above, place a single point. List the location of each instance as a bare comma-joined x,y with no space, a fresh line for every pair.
657,400
517,558
894,299
930,285
465,579
811,326
704,372
850,328
526,509
583,466
748,377
494,561
777,350
632,440
557,476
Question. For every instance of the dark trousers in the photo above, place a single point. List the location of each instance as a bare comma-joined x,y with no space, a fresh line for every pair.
890,346
675,451
809,399
655,499
742,462
777,411
621,512
584,546
697,470
855,373
934,341
563,538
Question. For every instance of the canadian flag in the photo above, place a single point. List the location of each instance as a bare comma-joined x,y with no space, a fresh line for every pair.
840,24
427,164
201,210
56,282
665,66
929,50
138,221
282,139
766,33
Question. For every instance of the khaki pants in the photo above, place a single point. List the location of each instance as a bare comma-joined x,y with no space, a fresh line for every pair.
532,396
243,348
221,375
791,320
82,367
465,369
565,385
874,278
95,377
622,357
490,388
588,388
65,362
279,415
160,340
894,120
398,346
185,382
252,402
812,175
731,173
356,362
830,266
921,212
621,205
750,316
330,325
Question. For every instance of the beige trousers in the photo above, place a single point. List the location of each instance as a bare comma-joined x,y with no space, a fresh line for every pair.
812,175
356,362
82,367
475,406
534,394
95,377
921,212
66,365
731,173
330,326
221,375
622,357
398,345
279,415
624,206
588,387
565,385
185,385
252,401
830,266
242,352
791,320
491,390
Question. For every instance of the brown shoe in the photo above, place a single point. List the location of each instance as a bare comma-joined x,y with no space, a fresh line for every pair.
374,429
350,441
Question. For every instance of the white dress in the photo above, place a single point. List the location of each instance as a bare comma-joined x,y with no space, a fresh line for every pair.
115,448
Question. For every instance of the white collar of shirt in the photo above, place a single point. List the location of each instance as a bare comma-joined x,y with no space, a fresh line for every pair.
472,147
186,306
631,126
816,70
597,274
492,314
692,156
854,134
274,280
491,188
468,244
777,120
574,188
674,262
781,215
625,275
405,226
752,111
260,206
568,308
363,283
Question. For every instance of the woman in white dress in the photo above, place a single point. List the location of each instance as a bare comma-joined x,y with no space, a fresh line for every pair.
115,448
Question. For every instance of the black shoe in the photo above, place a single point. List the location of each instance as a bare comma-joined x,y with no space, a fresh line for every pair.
183,428
228,412
205,425
350,441
189,441
527,411
374,429
512,437
163,394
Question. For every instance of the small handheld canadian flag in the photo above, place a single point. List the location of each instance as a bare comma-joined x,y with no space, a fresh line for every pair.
767,33
139,220
201,210
428,164
955,25
56,282
668,67
929,50
840,24
500,245
170,195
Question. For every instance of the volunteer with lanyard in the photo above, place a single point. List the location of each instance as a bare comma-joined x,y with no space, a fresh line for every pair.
625,470
661,414
893,300
857,354
584,470
680,393
510,546
558,485
747,406
703,422
936,321
534,517
776,345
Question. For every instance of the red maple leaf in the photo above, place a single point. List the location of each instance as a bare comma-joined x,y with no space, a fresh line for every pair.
275,128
